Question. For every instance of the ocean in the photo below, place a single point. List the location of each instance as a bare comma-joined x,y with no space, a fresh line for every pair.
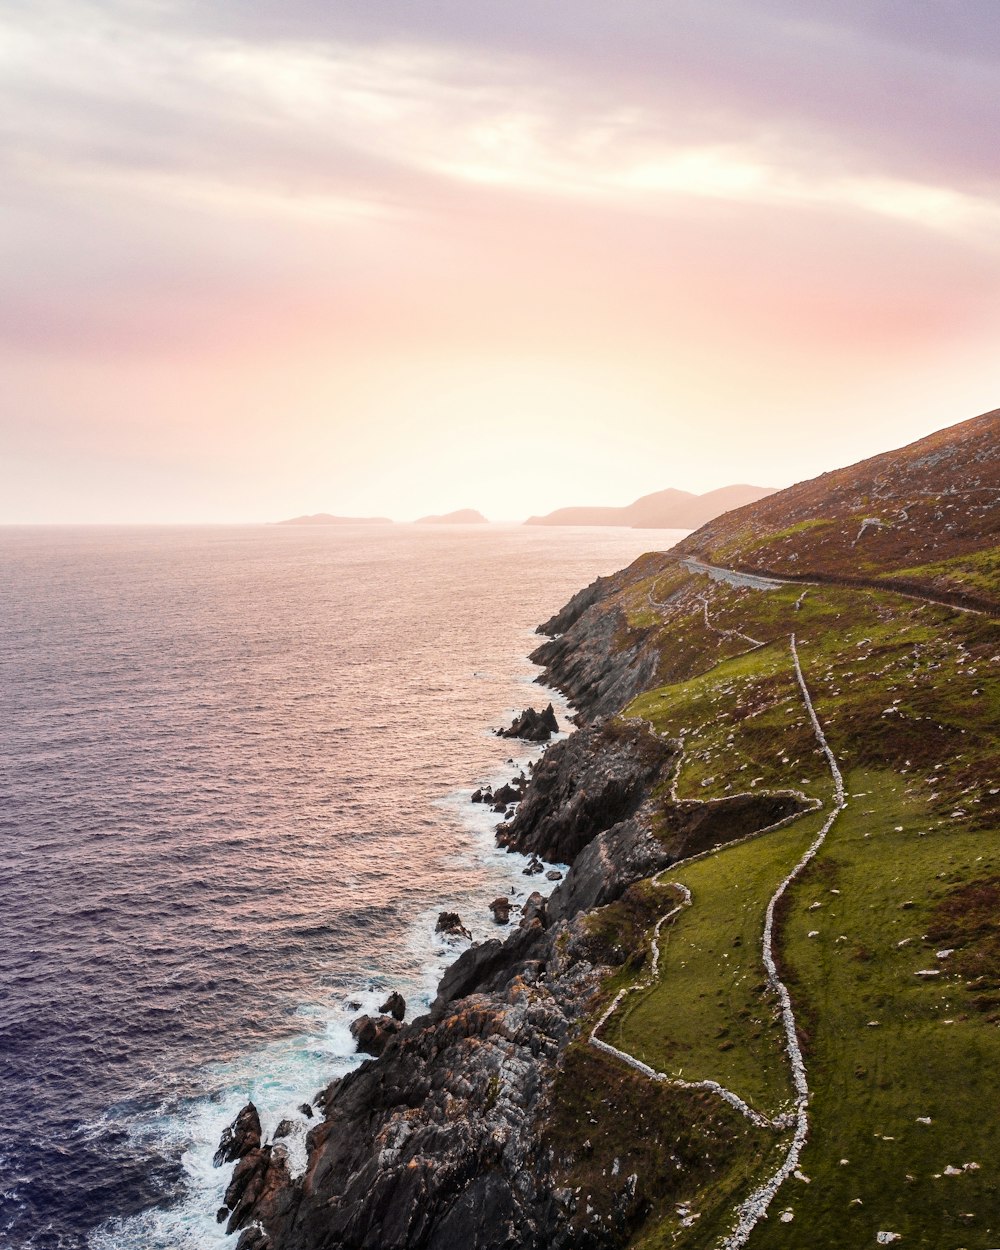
236,770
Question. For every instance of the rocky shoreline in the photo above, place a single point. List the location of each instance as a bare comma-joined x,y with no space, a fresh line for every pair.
442,1141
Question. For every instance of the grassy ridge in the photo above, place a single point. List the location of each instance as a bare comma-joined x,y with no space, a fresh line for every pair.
909,695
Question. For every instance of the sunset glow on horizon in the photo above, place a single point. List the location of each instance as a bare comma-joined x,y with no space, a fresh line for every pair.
280,258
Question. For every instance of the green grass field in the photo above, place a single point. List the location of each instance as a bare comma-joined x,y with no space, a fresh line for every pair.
904,1069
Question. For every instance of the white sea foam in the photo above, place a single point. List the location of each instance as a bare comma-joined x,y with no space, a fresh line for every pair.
285,1073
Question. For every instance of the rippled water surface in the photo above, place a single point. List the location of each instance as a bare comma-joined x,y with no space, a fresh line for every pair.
235,775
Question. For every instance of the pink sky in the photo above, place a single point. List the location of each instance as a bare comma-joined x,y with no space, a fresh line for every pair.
360,258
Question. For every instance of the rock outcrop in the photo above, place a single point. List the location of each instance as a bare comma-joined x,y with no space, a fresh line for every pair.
394,1005
450,923
594,779
372,1033
532,726
240,1138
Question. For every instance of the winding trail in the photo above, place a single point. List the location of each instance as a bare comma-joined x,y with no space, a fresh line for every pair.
753,1208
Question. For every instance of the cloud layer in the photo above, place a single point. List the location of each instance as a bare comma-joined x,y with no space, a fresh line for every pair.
392,233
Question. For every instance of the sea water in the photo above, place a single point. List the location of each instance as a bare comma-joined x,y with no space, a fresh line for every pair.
236,769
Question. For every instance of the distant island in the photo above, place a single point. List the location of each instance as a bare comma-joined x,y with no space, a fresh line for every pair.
666,509
464,516
324,518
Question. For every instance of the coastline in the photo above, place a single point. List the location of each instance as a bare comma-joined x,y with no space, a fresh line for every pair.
393,1158
286,1073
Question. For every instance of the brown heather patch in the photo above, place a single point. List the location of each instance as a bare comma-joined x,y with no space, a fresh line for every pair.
968,920
633,1150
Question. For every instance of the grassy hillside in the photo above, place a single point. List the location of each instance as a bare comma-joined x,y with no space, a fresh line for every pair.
925,516
888,941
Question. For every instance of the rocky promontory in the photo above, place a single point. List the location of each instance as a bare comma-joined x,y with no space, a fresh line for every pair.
444,1141
535,1105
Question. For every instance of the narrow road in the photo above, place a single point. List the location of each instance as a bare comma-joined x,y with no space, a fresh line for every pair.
755,581
749,581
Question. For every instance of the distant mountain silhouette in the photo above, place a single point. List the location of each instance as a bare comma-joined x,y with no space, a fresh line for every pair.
666,509
324,518
464,516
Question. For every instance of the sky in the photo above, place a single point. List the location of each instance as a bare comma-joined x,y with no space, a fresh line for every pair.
267,257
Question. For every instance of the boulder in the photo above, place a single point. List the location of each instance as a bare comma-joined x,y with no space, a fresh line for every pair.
394,1005
306,1110
533,909
500,907
372,1033
240,1138
284,1129
450,922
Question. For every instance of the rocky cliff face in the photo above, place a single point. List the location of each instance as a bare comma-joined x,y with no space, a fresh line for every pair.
439,1144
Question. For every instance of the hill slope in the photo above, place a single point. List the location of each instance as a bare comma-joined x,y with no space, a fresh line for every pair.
665,509
464,516
326,518
762,1009
922,515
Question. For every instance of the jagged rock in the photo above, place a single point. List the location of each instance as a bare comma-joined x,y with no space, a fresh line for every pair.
500,907
535,866
253,1239
240,1137
584,785
260,1189
488,965
534,909
306,1110
507,793
601,661
394,1005
532,726
372,1033
450,922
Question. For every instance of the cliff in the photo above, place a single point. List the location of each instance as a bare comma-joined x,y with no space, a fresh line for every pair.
765,997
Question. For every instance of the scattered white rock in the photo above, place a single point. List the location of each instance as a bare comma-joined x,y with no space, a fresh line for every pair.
927,972
801,1176
886,1239
844,1162
813,933
872,1024
787,1216
970,1167
952,1171
945,953
924,1119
